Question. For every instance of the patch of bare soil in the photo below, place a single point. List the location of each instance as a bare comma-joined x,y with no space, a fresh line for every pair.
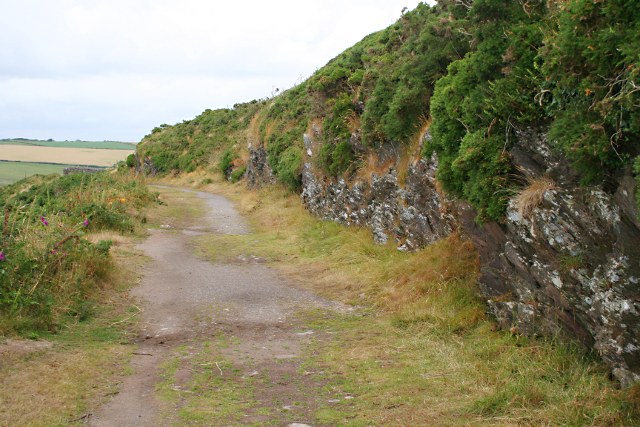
187,301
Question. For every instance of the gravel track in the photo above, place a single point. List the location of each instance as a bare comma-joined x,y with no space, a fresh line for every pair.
186,300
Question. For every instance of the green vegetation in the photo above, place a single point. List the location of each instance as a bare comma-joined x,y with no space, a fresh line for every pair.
198,142
560,64
11,172
419,348
208,397
106,145
63,376
481,95
49,270
478,69
592,68
225,164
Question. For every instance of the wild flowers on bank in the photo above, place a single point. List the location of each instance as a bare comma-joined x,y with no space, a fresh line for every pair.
48,268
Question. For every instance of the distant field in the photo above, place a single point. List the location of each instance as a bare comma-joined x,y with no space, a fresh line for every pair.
11,172
75,156
107,145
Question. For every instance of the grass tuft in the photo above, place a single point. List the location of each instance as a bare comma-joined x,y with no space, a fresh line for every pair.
532,195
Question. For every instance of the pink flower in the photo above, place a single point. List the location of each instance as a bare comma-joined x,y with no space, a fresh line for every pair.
44,221
2,256
85,222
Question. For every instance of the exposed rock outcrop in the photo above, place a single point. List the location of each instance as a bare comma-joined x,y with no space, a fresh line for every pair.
570,267
413,216
144,165
258,170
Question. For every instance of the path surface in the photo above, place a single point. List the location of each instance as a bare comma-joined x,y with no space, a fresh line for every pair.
187,301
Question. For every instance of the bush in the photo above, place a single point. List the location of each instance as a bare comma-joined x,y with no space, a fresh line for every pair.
592,67
48,270
479,97
131,160
336,159
237,174
225,164
290,168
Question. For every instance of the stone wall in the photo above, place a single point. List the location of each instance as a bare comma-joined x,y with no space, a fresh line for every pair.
570,267
81,169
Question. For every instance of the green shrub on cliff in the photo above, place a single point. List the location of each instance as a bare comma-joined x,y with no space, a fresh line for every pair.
592,66
196,143
481,94
574,65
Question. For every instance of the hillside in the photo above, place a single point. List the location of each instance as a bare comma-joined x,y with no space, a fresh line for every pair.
475,71
515,123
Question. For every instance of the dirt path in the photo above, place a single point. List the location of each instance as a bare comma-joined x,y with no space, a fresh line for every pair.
221,344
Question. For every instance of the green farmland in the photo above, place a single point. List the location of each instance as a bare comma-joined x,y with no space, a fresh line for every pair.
11,172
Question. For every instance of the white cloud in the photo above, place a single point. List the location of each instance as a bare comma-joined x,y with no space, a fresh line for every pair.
114,69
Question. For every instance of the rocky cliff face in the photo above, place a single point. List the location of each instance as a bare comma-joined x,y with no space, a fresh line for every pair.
568,266
258,170
414,215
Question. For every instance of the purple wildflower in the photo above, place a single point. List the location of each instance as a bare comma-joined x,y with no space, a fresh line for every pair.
2,256
85,222
44,221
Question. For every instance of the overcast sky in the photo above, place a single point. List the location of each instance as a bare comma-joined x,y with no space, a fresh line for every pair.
114,69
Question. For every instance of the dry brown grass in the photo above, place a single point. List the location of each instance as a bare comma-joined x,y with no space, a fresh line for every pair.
413,152
58,386
353,121
253,131
532,195
372,166
315,123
